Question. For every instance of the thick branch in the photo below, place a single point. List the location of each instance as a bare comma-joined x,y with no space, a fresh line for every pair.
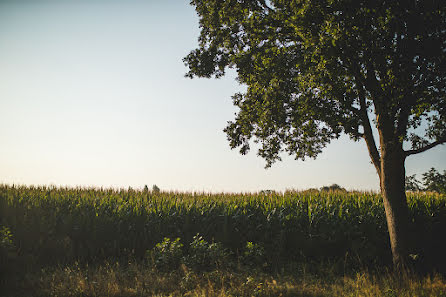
368,136
368,133
425,148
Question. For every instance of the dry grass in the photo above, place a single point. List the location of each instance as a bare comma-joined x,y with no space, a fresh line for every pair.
138,280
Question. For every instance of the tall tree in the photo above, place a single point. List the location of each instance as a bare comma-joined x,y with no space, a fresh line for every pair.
315,69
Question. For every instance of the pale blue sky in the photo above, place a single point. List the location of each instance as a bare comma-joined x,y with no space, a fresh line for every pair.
93,93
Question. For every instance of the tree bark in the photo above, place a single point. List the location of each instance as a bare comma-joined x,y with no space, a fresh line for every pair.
392,182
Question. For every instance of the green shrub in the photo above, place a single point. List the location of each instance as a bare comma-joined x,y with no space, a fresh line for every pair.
254,255
166,255
206,256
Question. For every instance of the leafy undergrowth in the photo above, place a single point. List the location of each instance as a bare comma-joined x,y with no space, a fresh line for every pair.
137,279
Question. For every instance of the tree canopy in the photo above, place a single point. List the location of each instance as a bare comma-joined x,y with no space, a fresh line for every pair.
315,69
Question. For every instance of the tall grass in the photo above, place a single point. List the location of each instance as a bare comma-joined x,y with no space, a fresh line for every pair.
60,225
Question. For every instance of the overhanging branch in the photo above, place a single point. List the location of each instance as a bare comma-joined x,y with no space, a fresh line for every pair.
425,148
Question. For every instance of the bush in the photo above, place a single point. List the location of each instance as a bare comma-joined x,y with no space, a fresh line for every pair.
166,255
254,255
205,256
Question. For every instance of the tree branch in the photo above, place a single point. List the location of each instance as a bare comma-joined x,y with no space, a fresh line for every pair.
369,139
368,133
425,148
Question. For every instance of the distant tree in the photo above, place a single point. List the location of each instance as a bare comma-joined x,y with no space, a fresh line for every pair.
333,187
315,69
412,184
267,192
155,189
434,181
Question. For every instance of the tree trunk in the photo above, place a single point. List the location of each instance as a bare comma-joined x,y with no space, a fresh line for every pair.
392,182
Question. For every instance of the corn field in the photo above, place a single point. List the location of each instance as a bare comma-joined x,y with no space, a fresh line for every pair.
59,225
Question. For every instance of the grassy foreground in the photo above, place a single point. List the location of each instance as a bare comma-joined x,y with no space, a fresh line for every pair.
133,279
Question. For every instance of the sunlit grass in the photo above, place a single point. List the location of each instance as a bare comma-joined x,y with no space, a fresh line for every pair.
139,280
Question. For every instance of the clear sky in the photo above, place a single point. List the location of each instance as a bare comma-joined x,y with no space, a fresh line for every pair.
93,93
